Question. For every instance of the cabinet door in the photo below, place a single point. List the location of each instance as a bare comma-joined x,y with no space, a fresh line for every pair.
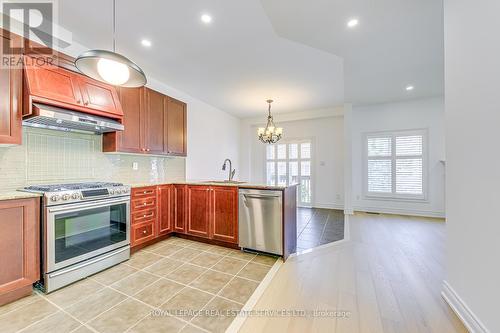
224,214
100,96
164,209
129,140
179,204
198,220
176,127
10,97
154,122
19,247
53,83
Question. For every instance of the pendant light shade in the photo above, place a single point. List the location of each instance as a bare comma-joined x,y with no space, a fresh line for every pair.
110,67
270,134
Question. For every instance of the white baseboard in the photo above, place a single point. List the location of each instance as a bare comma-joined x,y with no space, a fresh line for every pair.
328,206
399,211
471,322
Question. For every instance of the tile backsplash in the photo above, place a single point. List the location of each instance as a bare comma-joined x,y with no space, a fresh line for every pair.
55,157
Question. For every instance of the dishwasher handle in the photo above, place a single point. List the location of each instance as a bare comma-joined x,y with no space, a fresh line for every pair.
260,196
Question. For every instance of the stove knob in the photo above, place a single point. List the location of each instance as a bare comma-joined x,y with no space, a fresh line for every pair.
111,191
124,191
75,196
66,197
55,197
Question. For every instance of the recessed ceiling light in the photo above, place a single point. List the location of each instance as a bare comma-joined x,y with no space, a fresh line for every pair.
352,23
205,18
409,88
146,43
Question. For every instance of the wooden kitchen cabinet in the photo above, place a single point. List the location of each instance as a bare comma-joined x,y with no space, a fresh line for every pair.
155,122
224,214
176,127
60,87
11,85
19,247
165,209
144,214
198,211
179,207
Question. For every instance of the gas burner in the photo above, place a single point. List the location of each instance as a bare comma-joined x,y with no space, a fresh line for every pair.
70,187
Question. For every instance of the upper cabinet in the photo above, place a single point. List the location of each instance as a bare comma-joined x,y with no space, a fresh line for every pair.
63,88
176,127
154,124
10,97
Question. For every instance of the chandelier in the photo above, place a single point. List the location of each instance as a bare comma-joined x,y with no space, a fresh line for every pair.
271,134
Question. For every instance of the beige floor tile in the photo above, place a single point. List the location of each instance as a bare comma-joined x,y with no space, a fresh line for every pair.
156,245
143,259
159,292
185,254
199,246
186,273
211,281
265,260
134,283
182,241
218,250
237,254
26,315
254,271
19,303
229,265
239,290
58,322
192,329
83,329
168,249
121,317
186,302
158,324
206,259
75,292
113,274
164,266
226,310
96,304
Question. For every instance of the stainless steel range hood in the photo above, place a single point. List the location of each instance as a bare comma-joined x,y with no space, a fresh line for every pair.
51,117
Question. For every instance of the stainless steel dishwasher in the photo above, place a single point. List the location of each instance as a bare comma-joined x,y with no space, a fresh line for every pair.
260,220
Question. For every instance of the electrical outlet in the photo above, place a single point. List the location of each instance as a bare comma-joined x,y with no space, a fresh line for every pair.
135,166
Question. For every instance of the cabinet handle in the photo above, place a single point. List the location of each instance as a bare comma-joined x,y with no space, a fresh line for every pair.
150,215
85,103
79,101
148,149
144,232
148,192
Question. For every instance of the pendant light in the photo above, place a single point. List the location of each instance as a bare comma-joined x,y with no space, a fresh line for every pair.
271,134
111,67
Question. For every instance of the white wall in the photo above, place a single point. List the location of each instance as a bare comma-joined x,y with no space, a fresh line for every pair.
328,144
472,72
419,114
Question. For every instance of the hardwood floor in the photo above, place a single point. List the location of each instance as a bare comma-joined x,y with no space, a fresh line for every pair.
387,277
318,227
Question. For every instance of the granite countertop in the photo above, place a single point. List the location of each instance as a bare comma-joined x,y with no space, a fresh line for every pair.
11,195
211,183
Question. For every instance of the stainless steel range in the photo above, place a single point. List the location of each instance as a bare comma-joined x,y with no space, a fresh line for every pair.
85,229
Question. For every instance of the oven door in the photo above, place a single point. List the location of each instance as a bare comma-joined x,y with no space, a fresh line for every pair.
76,232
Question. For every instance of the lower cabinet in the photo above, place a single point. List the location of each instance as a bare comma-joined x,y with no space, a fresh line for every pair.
224,219
19,247
165,209
144,215
179,208
198,211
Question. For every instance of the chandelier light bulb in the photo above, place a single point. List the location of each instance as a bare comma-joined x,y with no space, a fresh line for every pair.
270,134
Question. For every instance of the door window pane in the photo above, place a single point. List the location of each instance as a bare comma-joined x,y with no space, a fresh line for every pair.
281,152
294,172
305,168
379,146
270,152
293,151
305,150
380,176
305,190
271,173
282,173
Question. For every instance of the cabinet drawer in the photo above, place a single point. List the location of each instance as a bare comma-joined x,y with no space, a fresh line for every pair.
142,204
143,192
143,216
142,232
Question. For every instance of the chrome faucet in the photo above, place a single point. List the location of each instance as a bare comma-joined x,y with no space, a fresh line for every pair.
231,170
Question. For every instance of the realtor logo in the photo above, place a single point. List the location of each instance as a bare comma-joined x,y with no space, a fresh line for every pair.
35,20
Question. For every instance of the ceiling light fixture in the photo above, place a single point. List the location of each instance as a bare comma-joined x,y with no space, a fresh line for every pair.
109,66
146,43
409,88
271,134
205,18
352,23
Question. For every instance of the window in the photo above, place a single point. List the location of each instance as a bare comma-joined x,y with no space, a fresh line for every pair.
395,165
290,163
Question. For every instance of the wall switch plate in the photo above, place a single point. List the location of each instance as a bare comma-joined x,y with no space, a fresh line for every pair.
322,163
135,166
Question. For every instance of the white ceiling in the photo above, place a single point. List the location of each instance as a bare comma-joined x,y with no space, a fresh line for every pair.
294,51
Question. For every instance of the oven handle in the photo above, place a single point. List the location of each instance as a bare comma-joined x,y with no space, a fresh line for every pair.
88,205
87,263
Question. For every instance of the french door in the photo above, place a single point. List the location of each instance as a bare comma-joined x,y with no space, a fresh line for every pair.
290,163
